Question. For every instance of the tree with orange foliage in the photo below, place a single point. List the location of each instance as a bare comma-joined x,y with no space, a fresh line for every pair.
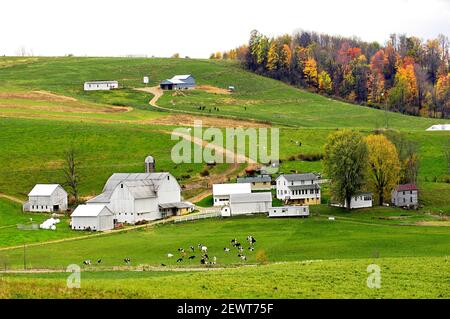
286,56
310,72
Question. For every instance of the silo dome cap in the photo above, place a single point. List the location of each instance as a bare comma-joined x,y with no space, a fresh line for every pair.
149,159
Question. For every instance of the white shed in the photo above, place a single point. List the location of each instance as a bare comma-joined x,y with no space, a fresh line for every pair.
289,211
222,192
46,198
361,200
241,204
100,85
96,217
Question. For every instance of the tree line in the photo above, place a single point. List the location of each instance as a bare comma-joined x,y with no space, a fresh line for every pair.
406,75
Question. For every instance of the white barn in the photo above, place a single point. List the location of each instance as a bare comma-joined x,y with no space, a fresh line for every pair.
361,200
222,192
289,211
100,85
178,82
46,198
134,197
92,217
242,204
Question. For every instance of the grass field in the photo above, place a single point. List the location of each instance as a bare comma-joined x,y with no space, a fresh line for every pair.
400,278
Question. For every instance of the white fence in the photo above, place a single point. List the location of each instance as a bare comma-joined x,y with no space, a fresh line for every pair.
197,216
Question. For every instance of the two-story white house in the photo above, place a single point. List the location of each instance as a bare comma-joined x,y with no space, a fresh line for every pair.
300,189
405,195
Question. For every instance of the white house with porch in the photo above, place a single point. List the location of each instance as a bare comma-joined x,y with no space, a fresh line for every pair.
300,189
46,198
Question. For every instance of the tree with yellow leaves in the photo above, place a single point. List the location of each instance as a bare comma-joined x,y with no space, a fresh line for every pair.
310,71
273,58
325,83
384,166
286,56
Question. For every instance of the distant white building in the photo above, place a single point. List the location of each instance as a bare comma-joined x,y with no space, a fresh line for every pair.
289,211
439,127
178,82
222,192
258,183
96,217
100,85
242,204
302,189
361,200
46,198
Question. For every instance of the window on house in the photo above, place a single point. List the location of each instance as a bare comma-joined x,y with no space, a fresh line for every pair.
121,185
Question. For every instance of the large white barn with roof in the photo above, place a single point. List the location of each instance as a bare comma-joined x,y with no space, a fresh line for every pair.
134,197
46,198
242,204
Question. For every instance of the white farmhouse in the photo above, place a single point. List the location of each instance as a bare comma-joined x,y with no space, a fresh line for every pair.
134,197
222,192
96,217
46,198
405,195
241,204
361,200
289,211
300,189
100,85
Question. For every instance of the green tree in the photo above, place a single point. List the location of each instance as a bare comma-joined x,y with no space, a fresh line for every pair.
345,163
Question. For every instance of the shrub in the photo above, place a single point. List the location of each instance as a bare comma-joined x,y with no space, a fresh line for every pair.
313,157
261,257
204,173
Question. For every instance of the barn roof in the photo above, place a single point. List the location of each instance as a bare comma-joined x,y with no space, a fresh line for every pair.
43,189
90,210
254,179
227,189
406,187
251,198
181,77
299,177
141,185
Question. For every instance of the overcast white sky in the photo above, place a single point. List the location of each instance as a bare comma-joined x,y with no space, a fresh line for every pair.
199,27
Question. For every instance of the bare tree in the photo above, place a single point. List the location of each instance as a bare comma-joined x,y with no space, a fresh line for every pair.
71,173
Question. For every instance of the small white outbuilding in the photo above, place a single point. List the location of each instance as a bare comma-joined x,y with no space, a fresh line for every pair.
100,85
96,217
222,192
46,198
243,204
289,211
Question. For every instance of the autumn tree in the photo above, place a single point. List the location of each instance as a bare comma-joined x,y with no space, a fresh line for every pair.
273,58
384,166
345,163
310,72
325,83
408,156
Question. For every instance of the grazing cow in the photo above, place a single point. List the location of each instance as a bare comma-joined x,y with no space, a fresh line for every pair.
253,240
164,265
202,261
233,241
205,256
181,250
251,248
243,257
191,257
204,249
179,260
127,260
226,249
99,261
87,262
241,249
237,244
169,255
192,248
214,260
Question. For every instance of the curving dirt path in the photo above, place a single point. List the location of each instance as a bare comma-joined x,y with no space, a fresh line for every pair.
12,198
